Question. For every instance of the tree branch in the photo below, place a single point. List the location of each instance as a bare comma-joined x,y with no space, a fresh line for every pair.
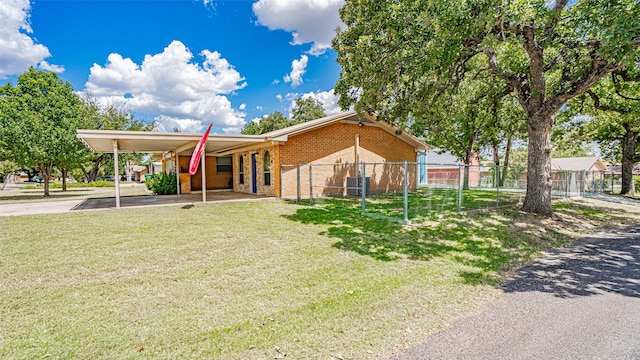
551,26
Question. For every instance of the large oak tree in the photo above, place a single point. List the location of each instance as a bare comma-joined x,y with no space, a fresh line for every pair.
398,55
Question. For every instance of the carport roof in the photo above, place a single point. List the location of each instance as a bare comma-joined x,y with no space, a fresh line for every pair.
158,143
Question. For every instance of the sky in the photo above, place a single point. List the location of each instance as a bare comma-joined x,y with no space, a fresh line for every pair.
180,63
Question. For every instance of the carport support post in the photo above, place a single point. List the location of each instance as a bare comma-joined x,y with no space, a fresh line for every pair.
204,175
115,172
177,174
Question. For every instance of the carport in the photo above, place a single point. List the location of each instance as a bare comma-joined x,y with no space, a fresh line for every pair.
162,146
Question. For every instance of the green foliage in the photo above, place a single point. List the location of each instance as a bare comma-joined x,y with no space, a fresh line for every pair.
303,110
306,109
266,124
399,57
163,183
38,120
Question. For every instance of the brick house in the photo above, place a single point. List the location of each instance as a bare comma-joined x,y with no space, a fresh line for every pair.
269,164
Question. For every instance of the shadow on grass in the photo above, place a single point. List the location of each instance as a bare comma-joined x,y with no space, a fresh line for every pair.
487,244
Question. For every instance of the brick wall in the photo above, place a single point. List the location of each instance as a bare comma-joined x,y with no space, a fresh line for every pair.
215,180
246,187
334,146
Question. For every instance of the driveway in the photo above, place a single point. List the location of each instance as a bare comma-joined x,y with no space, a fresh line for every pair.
61,206
581,302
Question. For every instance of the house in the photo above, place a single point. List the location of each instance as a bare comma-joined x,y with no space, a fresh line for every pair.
577,174
318,157
440,167
591,163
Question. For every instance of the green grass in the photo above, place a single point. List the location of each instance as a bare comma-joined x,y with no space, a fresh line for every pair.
430,202
255,280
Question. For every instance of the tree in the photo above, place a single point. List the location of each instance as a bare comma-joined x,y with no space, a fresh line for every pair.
108,117
398,56
306,109
613,109
267,123
38,119
7,169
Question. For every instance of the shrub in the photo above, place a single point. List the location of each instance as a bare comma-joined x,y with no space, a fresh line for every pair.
163,183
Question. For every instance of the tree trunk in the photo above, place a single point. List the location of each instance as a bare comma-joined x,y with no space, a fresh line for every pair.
538,198
64,179
92,174
628,161
507,154
46,174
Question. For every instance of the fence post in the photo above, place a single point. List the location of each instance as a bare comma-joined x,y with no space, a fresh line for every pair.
363,185
310,184
406,191
459,187
497,185
298,183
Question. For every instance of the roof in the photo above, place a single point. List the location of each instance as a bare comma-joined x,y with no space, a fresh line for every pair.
345,117
577,164
158,143
183,144
441,157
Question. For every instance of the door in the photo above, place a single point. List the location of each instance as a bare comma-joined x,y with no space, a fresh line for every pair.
254,174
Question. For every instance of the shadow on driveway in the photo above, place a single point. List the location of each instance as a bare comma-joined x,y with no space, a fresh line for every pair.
158,200
601,263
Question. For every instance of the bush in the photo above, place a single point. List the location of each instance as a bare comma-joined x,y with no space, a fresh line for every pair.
163,183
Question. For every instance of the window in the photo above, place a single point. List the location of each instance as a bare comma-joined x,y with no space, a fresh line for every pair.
241,168
224,164
267,168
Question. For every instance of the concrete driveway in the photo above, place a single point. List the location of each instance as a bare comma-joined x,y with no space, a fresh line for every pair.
581,302
61,206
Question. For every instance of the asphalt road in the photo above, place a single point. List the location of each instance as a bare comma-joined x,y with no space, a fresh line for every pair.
581,302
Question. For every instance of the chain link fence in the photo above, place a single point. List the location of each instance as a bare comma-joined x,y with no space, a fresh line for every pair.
411,191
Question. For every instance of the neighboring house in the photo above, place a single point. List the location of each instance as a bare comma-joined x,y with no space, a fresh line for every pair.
440,167
591,163
278,163
576,174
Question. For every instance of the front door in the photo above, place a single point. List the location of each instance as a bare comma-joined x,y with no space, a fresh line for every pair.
254,174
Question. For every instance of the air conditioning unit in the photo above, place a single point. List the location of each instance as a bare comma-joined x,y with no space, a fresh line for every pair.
354,186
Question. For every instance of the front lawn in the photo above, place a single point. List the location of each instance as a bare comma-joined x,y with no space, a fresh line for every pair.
256,280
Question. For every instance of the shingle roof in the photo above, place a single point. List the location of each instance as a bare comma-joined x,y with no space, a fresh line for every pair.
347,116
577,163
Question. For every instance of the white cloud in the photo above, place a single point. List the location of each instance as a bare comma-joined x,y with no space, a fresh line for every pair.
18,50
242,106
298,68
51,67
279,97
172,86
309,21
328,100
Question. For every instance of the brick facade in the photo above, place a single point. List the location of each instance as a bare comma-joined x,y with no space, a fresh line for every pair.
331,151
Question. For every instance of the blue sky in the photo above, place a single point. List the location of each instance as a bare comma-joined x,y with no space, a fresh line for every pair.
181,63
